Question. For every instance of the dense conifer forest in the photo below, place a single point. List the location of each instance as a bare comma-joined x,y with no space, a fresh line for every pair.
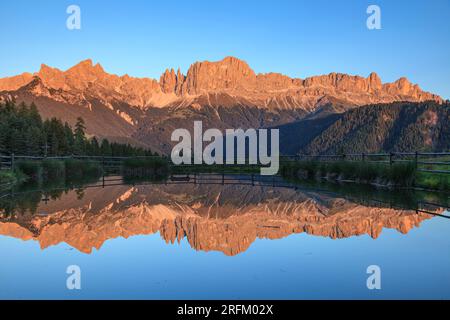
393,127
24,132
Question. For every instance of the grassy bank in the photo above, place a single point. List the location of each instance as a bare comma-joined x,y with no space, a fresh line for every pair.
433,181
77,169
396,175
145,168
9,178
50,171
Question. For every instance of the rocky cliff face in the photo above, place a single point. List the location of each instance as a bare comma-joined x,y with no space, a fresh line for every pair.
220,218
90,80
229,75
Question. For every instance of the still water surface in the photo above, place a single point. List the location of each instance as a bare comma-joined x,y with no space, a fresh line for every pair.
236,240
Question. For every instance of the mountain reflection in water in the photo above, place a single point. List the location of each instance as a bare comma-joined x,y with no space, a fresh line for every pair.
225,218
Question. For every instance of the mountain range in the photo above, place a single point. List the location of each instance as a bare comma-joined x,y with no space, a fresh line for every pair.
223,94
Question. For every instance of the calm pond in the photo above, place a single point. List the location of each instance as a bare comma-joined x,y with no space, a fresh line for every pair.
222,238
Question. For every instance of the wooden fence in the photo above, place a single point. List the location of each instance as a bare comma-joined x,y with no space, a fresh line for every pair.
431,162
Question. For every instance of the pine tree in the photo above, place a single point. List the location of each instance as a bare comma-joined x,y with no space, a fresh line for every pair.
68,134
95,148
80,144
106,148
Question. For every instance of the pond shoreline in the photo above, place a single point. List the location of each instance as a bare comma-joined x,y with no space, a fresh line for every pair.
395,176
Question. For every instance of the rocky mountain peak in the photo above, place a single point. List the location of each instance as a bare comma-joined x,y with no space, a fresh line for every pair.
87,68
229,73
168,81
374,81
230,77
36,86
403,84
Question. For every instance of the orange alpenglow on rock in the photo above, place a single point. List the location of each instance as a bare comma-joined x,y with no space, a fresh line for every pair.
229,76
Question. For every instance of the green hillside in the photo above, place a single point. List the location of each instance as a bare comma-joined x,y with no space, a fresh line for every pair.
400,126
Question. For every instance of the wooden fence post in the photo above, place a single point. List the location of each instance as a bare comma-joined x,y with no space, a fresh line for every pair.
12,161
416,159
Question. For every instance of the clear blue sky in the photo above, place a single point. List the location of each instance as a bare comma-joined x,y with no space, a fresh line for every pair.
297,38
